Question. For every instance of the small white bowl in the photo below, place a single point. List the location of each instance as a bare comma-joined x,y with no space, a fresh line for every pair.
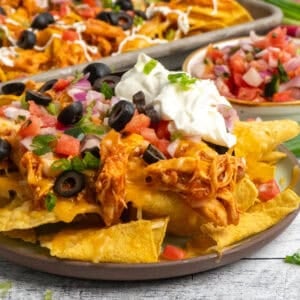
247,109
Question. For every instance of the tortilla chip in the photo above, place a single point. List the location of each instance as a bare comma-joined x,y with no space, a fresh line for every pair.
258,218
258,138
273,157
19,214
134,242
245,193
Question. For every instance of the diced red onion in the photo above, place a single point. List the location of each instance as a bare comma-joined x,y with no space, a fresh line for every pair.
172,147
254,37
27,142
90,142
292,64
94,96
83,83
220,70
293,83
48,130
101,107
77,94
114,100
14,113
246,46
253,78
229,114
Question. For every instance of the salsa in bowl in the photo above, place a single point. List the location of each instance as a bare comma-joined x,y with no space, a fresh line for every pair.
259,75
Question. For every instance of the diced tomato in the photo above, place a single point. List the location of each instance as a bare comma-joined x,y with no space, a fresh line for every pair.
69,35
171,252
238,80
277,37
61,84
246,93
162,131
67,145
215,54
2,19
30,127
46,119
137,123
268,190
90,2
149,135
87,12
64,9
237,63
282,96
2,108
162,145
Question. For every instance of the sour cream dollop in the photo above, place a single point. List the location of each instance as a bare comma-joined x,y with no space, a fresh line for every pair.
193,110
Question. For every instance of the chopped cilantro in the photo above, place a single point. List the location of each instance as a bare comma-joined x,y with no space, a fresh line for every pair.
48,295
41,143
149,66
182,79
170,34
106,90
50,201
138,20
4,288
77,76
293,259
283,76
176,135
272,87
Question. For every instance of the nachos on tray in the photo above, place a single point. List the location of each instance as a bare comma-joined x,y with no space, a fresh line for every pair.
37,36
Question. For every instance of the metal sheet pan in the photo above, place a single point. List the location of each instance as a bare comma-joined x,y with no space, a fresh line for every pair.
172,55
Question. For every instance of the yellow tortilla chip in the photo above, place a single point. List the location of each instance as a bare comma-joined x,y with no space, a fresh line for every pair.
256,139
259,218
19,214
134,242
273,157
245,193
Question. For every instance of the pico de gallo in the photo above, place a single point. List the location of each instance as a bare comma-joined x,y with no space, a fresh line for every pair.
257,69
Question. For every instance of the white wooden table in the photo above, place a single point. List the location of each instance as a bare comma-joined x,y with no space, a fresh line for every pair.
263,275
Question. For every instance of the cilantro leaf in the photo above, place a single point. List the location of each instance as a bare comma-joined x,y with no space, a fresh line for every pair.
48,295
293,259
50,201
106,90
283,76
149,66
41,143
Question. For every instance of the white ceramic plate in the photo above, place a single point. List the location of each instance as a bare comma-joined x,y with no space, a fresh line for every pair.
39,259
247,109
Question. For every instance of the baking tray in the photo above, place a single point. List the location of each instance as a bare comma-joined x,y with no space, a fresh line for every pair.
172,55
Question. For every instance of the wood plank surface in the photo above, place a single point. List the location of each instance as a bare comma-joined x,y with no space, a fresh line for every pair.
264,275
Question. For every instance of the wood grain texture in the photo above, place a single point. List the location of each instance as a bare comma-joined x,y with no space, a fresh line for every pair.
264,275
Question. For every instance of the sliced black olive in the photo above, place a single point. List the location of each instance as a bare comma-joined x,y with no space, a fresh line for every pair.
71,114
2,11
124,20
139,101
42,20
5,149
90,143
14,88
47,85
37,97
125,4
27,40
104,16
152,155
96,70
111,80
69,183
121,114
152,113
